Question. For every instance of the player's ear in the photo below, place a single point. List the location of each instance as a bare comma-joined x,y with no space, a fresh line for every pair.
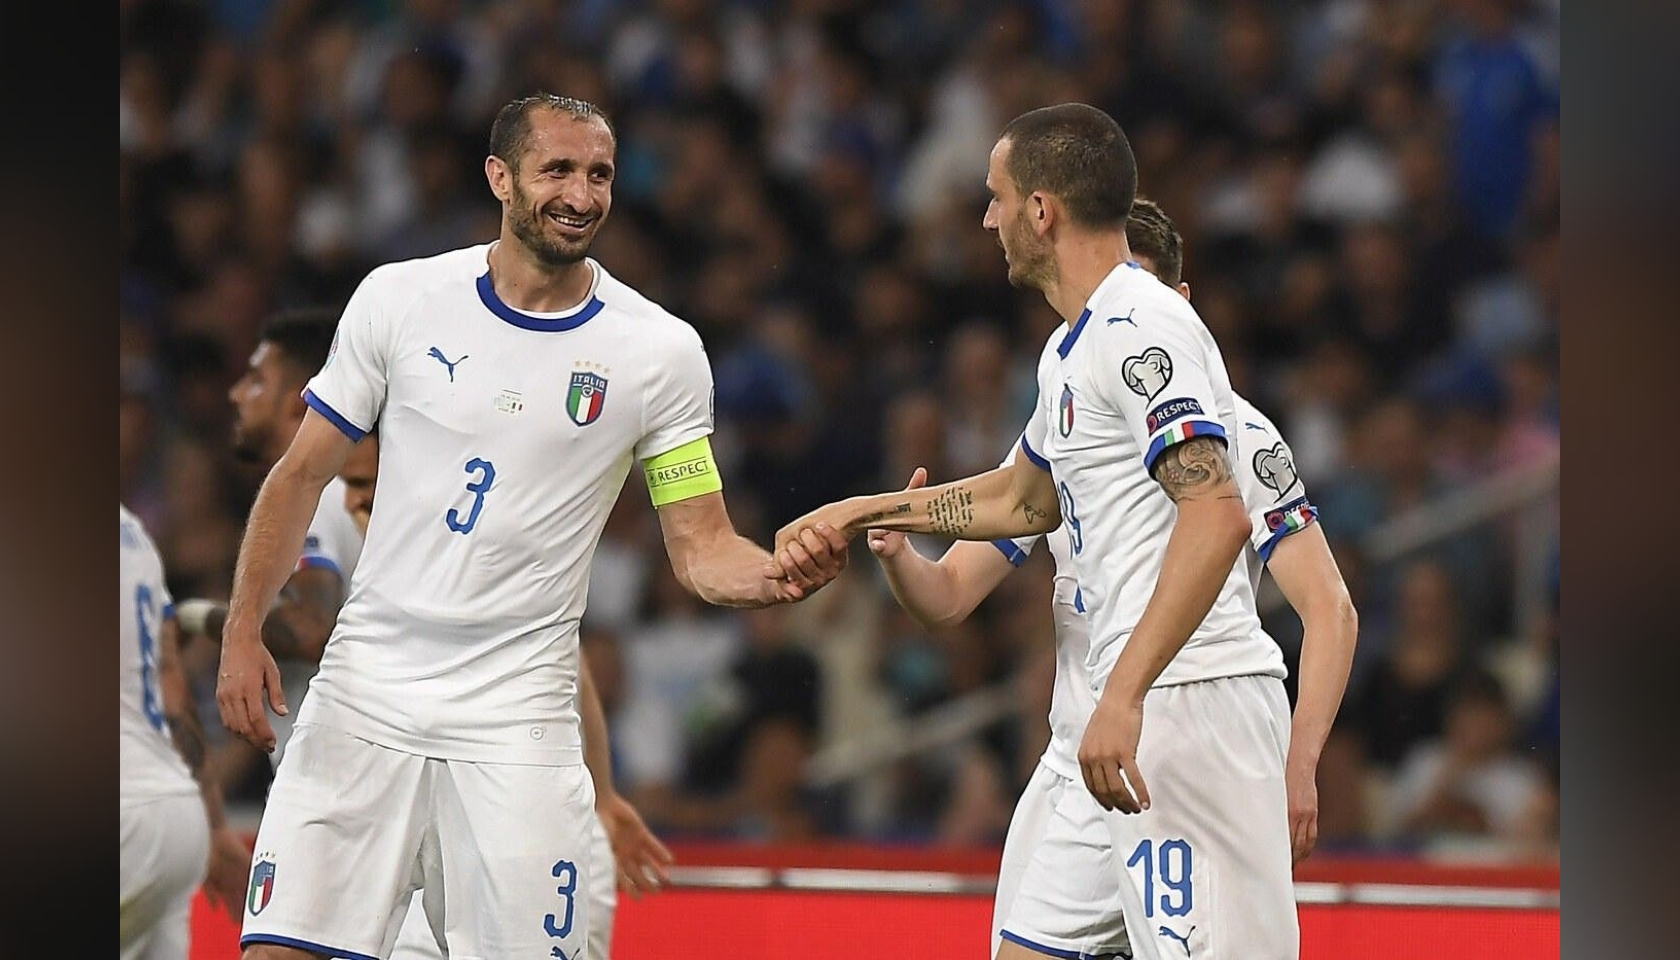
1184,290
498,175
1043,212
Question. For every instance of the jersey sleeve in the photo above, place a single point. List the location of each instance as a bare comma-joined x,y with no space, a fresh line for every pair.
1032,438
323,544
1017,549
1274,493
680,406
1151,368
349,389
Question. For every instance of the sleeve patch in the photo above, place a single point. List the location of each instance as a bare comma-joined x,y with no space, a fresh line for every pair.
1148,373
683,473
1285,520
1172,410
1275,470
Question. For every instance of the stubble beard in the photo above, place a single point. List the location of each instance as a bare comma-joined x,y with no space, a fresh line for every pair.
527,227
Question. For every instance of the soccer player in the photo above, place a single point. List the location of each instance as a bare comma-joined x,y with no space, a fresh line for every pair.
174,831
268,408
941,593
638,855
513,385
1132,448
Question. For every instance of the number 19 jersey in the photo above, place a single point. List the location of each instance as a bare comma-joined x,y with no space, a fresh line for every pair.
1136,374
505,438
151,766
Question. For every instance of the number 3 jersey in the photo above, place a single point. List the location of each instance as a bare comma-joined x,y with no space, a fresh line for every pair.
504,439
151,766
1136,374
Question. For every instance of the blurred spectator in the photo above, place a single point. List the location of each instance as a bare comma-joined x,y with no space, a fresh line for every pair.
1469,782
1402,700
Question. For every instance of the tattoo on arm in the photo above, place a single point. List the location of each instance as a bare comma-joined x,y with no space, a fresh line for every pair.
188,735
1032,513
1192,468
897,510
952,511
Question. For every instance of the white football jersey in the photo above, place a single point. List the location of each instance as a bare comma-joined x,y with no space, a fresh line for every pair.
1136,373
151,766
504,439
333,543
1278,507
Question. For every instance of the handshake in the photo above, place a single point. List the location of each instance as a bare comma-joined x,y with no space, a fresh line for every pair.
812,550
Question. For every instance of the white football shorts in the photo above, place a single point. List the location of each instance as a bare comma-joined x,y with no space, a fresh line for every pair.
351,829
164,852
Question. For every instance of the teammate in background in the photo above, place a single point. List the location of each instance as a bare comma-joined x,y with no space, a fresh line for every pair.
174,831
617,833
268,408
944,592
513,386
1133,447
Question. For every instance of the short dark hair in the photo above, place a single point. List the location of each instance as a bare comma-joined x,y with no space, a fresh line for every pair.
510,133
1151,233
303,335
1079,154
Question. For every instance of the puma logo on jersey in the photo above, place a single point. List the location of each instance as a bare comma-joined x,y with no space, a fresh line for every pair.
1125,319
438,354
1276,470
1183,941
1148,373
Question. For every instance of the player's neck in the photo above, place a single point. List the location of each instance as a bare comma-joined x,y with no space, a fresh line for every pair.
525,283
1083,262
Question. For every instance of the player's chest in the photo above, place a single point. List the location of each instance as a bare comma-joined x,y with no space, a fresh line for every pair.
584,389
1084,430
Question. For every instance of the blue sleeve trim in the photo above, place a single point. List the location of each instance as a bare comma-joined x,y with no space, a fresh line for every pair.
251,938
1056,952
1278,535
337,419
315,561
1032,455
1011,552
1188,430
168,611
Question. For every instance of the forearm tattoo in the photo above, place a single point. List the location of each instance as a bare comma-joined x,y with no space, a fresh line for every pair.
1032,513
188,735
1192,467
951,512
896,510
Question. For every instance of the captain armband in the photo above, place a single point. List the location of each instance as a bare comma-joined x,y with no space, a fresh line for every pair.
683,473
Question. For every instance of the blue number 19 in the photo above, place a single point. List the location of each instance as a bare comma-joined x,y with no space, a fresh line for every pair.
1173,866
1076,536
151,700
478,488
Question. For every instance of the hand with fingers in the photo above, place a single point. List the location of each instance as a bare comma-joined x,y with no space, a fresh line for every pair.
642,860
1108,756
1300,782
809,554
887,543
246,679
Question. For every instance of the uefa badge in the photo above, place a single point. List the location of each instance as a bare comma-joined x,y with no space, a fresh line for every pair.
262,885
588,394
1065,422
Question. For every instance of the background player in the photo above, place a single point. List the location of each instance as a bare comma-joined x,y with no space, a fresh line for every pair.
944,592
513,385
174,830
1143,478
268,408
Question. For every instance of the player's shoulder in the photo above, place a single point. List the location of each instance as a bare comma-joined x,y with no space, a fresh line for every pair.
131,532
1253,421
653,325
1132,301
403,281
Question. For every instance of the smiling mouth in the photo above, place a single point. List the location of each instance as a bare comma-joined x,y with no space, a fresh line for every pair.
570,222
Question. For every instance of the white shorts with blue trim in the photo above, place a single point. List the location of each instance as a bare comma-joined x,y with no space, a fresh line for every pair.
1058,891
420,940
351,829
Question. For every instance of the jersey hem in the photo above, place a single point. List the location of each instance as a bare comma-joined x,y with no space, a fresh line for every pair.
565,756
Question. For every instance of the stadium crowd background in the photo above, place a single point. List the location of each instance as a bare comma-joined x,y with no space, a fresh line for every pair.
1369,196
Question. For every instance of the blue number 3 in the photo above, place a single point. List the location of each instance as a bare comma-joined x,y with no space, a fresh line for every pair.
566,872
478,488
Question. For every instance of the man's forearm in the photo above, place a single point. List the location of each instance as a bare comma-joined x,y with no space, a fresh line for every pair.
597,750
729,575
1326,659
1202,549
989,506
273,541
923,588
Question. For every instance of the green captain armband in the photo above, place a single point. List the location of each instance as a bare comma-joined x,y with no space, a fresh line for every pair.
683,473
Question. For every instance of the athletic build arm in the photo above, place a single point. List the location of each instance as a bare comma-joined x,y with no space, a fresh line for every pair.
224,881
1306,572
1015,500
943,593
273,540
721,567
1210,531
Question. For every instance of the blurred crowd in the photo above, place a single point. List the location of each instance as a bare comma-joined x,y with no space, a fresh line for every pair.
1368,192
